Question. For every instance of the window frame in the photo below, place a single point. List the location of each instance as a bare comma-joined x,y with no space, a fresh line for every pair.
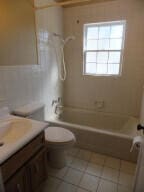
85,27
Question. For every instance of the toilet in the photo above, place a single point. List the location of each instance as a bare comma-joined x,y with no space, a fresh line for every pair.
58,139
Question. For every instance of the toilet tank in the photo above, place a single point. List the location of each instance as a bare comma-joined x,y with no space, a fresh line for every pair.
34,111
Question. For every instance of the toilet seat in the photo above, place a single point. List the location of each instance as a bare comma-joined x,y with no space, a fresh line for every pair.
59,136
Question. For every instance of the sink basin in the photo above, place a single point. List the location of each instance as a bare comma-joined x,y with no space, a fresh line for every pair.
4,126
13,130
16,132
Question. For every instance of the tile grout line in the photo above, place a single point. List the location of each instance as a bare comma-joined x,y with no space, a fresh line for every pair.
84,172
119,175
84,188
89,172
62,179
58,186
99,177
101,174
74,156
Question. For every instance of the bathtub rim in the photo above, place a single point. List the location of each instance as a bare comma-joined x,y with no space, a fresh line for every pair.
88,128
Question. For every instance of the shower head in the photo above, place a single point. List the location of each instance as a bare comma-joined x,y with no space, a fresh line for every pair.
64,41
69,38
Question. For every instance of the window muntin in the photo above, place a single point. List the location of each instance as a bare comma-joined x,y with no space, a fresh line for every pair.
103,48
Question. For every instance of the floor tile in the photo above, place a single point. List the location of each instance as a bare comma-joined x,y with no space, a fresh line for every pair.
59,173
94,169
79,164
128,167
51,185
110,174
73,151
81,190
84,155
97,158
90,172
126,179
123,189
89,182
107,186
112,163
73,176
65,187
69,159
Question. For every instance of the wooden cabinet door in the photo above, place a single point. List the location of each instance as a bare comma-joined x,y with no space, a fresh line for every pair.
37,169
18,182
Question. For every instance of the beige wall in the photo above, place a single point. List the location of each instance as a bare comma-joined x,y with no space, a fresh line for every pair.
17,33
122,94
20,85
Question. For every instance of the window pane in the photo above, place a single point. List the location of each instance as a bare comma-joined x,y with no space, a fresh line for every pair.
91,68
91,57
114,57
101,68
104,32
92,33
113,69
103,47
91,44
117,31
103,44
115,44
102,57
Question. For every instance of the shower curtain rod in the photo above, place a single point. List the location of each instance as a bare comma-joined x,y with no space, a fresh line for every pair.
69,2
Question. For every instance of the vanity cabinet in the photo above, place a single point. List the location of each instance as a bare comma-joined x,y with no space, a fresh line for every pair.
37,170
26,169
18,183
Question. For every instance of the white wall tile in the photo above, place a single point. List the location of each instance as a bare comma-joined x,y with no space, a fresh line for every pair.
20,85
82,91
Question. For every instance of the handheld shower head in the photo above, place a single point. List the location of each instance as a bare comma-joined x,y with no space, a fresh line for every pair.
66,40
69,38
61,59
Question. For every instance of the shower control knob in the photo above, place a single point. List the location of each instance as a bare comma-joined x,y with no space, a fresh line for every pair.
140,127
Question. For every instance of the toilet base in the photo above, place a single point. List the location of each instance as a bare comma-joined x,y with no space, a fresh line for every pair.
57,158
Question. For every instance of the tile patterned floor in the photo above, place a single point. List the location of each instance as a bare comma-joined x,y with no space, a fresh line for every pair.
90,172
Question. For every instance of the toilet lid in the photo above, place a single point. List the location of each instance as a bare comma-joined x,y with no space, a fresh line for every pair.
58,134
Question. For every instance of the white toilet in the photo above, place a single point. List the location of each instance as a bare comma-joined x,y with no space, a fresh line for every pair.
58,139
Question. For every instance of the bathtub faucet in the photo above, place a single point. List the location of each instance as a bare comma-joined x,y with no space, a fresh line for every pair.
59,109
57,101
140,127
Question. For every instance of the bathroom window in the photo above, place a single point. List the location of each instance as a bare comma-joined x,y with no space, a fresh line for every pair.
103,48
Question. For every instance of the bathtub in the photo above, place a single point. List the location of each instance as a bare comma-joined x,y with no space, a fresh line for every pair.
104,133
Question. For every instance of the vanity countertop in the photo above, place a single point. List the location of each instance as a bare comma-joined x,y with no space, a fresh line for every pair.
21,132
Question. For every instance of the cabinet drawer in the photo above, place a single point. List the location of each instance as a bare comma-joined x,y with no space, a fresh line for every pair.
16,161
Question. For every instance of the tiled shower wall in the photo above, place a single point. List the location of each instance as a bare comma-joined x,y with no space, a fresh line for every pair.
20,85
122,94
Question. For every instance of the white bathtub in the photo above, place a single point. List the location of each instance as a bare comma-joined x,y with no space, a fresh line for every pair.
100,132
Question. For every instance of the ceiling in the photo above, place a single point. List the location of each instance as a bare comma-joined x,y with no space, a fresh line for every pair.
82,3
